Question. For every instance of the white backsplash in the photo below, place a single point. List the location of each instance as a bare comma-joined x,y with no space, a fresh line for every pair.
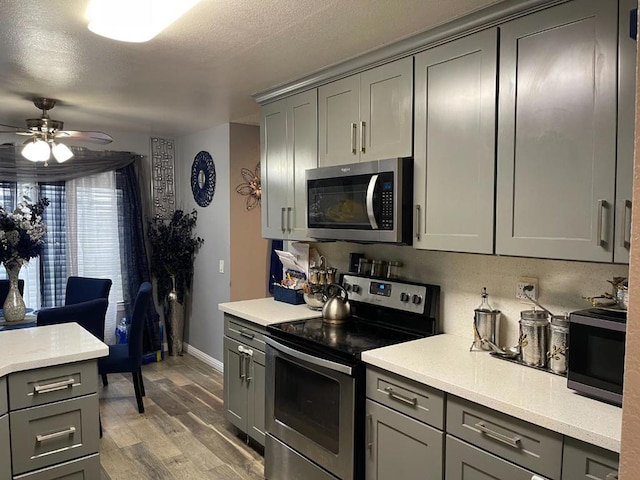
461,276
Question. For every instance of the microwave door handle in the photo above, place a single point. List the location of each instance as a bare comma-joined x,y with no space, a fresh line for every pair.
370,191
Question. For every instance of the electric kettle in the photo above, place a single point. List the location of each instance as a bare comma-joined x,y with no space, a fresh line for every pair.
336,309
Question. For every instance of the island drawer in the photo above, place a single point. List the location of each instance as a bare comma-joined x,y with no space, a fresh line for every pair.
4,406
51,384
415,400
57,432
583,461
533,447
244,332
87,468
5,453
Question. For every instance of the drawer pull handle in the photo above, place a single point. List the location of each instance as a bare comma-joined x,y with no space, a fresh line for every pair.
52,436
370,432
403,398
511,441
54,387
246,334
612,476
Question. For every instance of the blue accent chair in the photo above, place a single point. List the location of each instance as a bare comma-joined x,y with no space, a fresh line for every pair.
82,289
4,289
127,358
90,315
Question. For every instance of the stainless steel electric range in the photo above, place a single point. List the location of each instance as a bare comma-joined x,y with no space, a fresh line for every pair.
315,378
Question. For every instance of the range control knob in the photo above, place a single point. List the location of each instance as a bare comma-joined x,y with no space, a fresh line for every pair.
347,287
356,289
416,299
404,297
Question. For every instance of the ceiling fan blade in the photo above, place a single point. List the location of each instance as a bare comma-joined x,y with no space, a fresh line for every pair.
18,130
85,136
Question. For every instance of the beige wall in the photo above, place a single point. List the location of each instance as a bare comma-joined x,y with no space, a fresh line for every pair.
630,450
248,261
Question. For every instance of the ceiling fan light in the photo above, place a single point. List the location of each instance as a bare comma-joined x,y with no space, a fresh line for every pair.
37,151
134,20
61,152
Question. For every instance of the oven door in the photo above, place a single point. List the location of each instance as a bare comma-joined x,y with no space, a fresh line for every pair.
310,408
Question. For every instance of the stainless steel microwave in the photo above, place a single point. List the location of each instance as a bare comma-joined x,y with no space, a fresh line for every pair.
361,202
596,353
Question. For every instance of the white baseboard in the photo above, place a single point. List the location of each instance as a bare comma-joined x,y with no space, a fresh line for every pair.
200,355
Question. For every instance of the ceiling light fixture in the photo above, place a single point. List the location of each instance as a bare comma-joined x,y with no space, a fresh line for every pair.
39,150
134,20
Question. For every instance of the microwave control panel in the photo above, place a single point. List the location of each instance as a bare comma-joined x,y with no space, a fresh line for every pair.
386,201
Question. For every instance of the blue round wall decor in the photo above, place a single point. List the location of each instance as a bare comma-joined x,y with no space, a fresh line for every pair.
203,178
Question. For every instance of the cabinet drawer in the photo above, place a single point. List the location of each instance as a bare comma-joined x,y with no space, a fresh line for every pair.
520,442
57,432
406,396
52,384
245,332
466,462
87,468
583,461
5,452
3,396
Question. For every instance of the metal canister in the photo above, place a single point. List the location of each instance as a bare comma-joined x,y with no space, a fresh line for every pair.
534,337
559,344
486,325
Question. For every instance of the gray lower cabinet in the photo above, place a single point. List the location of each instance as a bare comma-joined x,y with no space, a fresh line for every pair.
288,147
5,452
454,144
400,447
582,461
556,170
87,468
244,377
466,462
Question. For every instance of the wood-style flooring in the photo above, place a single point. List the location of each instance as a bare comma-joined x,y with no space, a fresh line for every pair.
182,435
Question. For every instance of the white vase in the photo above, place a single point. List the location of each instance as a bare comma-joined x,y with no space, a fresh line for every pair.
14,309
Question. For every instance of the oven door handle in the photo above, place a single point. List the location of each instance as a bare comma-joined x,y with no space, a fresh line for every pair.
370,191
319,362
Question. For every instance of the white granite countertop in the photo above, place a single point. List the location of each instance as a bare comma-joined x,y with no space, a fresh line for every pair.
445,362
265,311
27,348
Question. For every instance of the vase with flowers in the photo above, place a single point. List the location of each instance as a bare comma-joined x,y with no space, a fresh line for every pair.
21,238
173,248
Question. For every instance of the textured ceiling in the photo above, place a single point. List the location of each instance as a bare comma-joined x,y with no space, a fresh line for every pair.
201,71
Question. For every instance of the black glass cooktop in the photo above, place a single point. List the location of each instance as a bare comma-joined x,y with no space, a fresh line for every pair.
351,338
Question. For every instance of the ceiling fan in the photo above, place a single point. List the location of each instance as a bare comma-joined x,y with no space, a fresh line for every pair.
44,134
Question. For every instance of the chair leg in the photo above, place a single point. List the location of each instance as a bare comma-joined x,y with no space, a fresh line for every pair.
138,390
105,382
141,382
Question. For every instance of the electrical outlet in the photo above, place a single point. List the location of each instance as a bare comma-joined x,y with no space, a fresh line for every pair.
221,266
520,288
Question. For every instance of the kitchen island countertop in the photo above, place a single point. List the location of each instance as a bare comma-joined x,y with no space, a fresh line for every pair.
266,311
444,362
29,348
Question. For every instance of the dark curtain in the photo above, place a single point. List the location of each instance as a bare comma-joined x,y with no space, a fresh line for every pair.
53,257
133,252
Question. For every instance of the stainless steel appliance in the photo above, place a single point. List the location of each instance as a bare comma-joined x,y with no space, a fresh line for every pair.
597,347
368,202
315,382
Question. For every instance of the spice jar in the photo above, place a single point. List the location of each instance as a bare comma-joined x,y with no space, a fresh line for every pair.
364,266
378,268
313,275
534,337
331,275
393,269
559,344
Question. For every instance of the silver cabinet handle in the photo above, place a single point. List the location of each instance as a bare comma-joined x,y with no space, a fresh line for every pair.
400,397
511,441
626,225
371,189
247,333
54,387
354,127
369,432
537,477
51,436
417,222
243,375
602,204
282,220
249,357
289,219
362,137
611,476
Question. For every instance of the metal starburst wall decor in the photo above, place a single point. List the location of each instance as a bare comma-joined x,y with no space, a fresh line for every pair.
251,187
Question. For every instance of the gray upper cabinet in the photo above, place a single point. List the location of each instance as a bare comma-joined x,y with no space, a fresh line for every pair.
367,116
626,123
454,159
288,147
557,133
